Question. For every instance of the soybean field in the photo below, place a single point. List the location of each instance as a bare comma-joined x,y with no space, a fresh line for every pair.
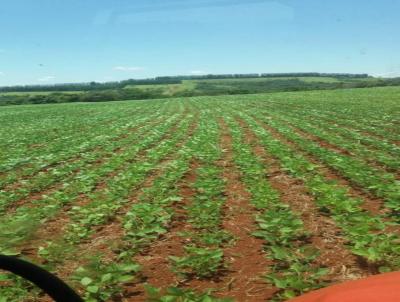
257,197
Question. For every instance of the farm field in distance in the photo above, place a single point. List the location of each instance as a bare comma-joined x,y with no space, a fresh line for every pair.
185,86
258,197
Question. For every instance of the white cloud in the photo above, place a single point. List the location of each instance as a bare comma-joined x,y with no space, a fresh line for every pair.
128,68
197,72
2,50
46,79
1,73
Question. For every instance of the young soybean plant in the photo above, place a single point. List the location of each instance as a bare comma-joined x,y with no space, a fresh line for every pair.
202,260
293,270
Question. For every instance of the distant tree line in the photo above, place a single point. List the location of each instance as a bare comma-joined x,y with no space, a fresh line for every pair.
94,86
87,96
202,88
282,85
87,86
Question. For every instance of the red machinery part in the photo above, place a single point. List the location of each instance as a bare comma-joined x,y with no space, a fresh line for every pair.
378,288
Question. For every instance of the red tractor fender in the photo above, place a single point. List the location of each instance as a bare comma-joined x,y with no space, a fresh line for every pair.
378,288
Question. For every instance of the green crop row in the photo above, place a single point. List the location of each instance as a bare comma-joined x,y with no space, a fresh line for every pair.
20,225
142,223
55,137
356,150
382,184
286,241
331,125
366,234
98,211
67,172
203,257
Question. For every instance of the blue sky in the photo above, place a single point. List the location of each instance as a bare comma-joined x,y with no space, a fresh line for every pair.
56,41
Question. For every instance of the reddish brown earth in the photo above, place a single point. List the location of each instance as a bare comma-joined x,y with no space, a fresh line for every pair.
155,263
154,260
56,226
26,201
108,238
372,203
71,159
324,144
325,235
364,143
246,261
363,132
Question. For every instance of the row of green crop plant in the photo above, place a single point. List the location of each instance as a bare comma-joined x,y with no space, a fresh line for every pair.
17,227
367,234
146,210
74,152
76,147
102,206
382,184
203,256
375,109
67,172
374,157
365,128
369,119
52,136
381,147
294,270
333,126
145,222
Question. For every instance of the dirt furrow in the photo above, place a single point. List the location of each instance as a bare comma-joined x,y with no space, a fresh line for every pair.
245,257
370,203
108,238
57,186
155,262
324,144
325,235
57,224
73,158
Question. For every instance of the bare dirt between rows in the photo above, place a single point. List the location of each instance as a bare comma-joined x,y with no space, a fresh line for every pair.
58,185
324,144
370,203
108,238
55,226
155,263
367,134
71,159
247,263
154,260
325,235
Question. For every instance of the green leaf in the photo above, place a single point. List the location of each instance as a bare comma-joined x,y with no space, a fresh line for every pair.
131,267
86,281
125,278
106,277
93,289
